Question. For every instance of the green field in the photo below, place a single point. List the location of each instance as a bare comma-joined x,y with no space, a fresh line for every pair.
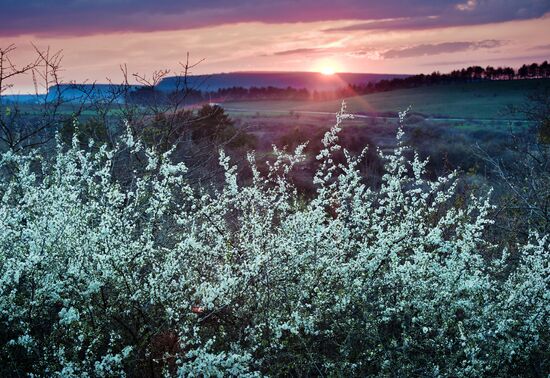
485,100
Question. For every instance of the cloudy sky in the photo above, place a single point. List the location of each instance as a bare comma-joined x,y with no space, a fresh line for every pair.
389,36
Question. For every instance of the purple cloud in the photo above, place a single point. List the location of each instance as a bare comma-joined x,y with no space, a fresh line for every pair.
307,51
440,48
540,47
82,17
467,12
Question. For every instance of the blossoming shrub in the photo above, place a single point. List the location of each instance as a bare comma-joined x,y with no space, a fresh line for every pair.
155,277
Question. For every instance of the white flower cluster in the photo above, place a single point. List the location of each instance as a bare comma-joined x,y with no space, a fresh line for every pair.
103,278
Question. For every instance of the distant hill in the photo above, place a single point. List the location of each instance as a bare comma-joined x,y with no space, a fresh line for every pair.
90,92
22,98
312,81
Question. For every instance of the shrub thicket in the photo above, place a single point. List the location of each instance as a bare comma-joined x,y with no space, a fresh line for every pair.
157,277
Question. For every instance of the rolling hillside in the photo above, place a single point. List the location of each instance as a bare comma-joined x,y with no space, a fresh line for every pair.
298,80
485,100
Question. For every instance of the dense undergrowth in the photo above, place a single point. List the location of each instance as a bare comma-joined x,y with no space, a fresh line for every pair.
153,276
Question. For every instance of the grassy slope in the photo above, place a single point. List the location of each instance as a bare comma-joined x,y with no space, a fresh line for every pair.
473,100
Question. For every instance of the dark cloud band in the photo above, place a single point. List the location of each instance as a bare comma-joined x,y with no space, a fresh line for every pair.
81,17
440,48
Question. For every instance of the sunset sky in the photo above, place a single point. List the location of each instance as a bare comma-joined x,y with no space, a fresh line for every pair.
390,36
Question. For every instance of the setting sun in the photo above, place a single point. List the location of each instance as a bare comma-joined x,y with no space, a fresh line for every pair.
328,71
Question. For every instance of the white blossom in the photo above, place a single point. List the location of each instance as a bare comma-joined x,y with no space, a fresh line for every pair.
252,280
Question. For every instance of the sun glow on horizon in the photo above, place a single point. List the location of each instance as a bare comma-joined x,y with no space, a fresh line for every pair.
328,71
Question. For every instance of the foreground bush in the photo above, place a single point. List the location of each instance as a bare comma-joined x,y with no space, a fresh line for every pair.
152,277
